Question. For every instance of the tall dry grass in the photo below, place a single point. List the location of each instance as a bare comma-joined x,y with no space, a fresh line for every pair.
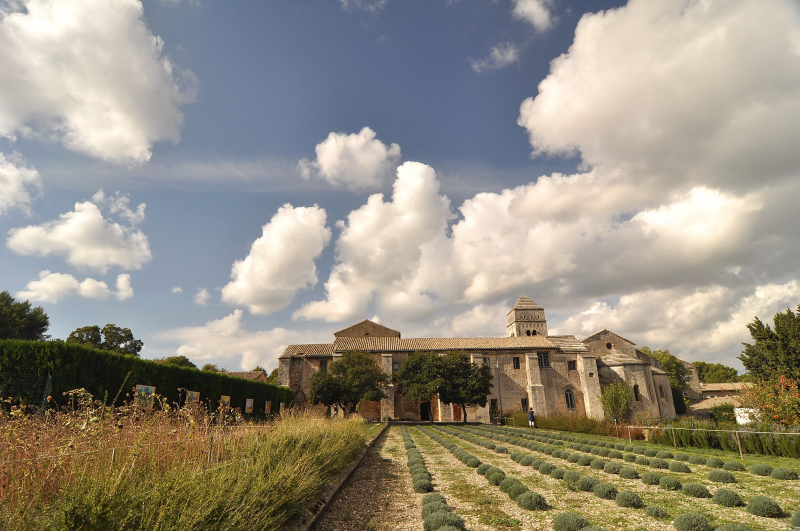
166,472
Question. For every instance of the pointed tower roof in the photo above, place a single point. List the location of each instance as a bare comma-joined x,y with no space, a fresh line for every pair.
525,303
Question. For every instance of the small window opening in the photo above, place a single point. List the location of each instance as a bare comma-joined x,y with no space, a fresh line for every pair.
609,346
515,362
661,391
528,332
572,365
533,333
569,396
396,366
323,365
486,361
544,360
636,395
524,404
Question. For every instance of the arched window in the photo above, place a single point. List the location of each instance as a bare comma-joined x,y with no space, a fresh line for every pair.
528,332
533,333
636,394
569,396
661,391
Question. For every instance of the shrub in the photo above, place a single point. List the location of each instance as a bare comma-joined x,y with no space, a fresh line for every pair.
441,519
763,506
526,460
569,522
506,484
697,460
501,449
677,466
532,501
612,468
680,456
761,469
651,478
628,448
639,450
546,468
783,473
516,489
570,476
727,498
696,490
642,461
796,519
734,466
669,483
628,498
604,452
650,452
433,497
715,462
664,455
629,457
557,473
615,455
692,522
606,491
423,485
573,458
597,464
585,460
473,462
656,511
733,527
659,463
496,477
721,476
628,473
482,468
592,528
587,483
434,507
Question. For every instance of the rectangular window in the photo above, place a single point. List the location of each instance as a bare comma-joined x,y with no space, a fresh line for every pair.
396,366
515,361
572,365
486,361
525,404
493,407
544,360
323,365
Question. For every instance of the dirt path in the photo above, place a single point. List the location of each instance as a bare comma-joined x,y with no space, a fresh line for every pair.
379,496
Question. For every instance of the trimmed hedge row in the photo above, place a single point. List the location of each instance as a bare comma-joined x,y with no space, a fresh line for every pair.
74,366
420,477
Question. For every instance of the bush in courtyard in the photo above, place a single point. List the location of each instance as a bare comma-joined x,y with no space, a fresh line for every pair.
526,460
656,511
629,457
651,478
696,490
506,484
763,506
587,483
495,477
680,456
628,498
734,466
585,460
677,466
569,522
761,469
423,485
664,455
612,468
532,501
557,473
642,461
546,468
606,491
697,460
715,462
650,452
517,489
597,464
692,522
441,519
482,468
727,498
628,473
669,483
783,473
721,476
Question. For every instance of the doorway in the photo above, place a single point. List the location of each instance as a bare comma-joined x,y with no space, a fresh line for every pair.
456,413
425,411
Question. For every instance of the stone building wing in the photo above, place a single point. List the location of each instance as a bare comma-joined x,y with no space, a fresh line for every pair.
367,328
395,344
313,349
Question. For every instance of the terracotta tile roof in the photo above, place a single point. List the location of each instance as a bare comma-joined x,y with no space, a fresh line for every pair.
314,349
393,344
567,344
256,376
615,358
525,303
732,386
606,330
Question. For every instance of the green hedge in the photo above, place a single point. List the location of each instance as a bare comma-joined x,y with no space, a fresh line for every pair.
74,366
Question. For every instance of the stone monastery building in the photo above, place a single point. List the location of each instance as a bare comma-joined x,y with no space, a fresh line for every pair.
553,374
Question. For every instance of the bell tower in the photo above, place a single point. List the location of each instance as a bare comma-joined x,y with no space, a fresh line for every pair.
526,318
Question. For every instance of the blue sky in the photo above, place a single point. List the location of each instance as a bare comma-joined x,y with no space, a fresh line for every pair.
628,165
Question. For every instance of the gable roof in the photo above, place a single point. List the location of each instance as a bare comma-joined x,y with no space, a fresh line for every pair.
567,344
606,331
525,303
313,349
367,328
615,358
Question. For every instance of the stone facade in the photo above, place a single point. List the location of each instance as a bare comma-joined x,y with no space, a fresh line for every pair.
554,374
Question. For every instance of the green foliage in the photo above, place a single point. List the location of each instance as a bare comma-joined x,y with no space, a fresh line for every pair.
606,491
612,468
19,321
628,498
433,497
587,483
674,367
764,506
617,400
628,473
696,490
692,522
354,379
723,412
715,462
597,464
546,468
734,466
783,473
775,351
721,476
532,501
557,473
569,522
495,477
571,477
697,460
727,498
656,511
482,468
423,485
681,468
715,372
178,361
441,519
669,483
434,507
111,337
651,478
761,469
273,377
212,367
516,490
585,460
664,454
796,519
74,366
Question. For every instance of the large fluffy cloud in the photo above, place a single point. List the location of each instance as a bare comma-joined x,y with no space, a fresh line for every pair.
90,74
17,182
53,287
227,338
86,238
281,262
358,161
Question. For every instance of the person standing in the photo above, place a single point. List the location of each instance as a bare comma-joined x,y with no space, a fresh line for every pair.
530,418
335,411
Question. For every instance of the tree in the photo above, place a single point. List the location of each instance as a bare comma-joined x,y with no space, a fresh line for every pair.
617,400
715,372
452,376
354,379
178,361
774,352
273,377
111,337
19,321
210,367
674,367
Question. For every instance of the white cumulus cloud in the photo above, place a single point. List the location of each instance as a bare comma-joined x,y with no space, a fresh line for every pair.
502,55
535,12
202,297
90,74
54,287
17,183
358,161
86,238
124,288
281,262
